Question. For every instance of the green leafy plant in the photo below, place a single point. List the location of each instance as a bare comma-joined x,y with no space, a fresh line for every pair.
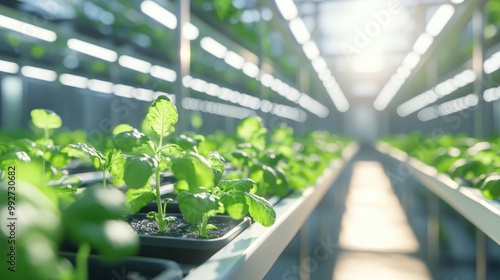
203,193
94,221
144,158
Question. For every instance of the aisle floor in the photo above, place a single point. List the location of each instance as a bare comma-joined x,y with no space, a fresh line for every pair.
376,241
364,215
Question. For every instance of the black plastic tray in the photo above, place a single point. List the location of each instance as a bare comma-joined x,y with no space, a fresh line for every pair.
149,268
189,250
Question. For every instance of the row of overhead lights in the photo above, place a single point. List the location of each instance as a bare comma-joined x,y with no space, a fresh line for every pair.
243,99
216,108
433,28
491,94
250,69
151,9
441,90
492,64
289,11
236,61
447,108
81,82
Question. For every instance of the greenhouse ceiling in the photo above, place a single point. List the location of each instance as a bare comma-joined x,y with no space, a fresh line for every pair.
368,48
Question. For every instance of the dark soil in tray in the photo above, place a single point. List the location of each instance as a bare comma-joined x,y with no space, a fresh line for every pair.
180,228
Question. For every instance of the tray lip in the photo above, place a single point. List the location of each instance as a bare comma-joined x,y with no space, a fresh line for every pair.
194,243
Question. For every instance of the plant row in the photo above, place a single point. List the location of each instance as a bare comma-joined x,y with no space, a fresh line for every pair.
470,161
232,174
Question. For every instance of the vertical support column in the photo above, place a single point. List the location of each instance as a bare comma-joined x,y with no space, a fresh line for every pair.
304,264
12,103
483,123
432,229
183,51
483,112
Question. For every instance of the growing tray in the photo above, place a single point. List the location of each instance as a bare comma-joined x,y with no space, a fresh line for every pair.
148,268
482,212
189,250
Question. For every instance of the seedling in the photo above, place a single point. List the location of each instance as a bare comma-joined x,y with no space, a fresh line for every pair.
144,157
202,193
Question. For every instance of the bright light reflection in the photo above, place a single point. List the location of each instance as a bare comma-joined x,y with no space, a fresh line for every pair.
372,207
27,29
39,73
158,13
92,50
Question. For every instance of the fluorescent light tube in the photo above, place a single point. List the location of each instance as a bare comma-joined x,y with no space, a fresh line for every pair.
73,80
133,63
234,59
287,8
299,30
190,31
92,50
423,43
100,86
439,19
158,13
213,47
8,67
27,29
311,50
39,73
163,73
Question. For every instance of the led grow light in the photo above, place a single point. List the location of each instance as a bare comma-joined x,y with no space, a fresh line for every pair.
73,80
216,108
423,43
233,59
439,19
250,69
163,73
299,30
287,8
492,64
212,46
190,31
311,50
442,89
8,67
27,29
100,86
491,94
92,50
123,90
133,63
158,13
38,73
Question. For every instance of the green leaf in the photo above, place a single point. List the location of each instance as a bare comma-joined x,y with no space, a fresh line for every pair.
115,164
265,177
194,205
467,169
235,204
123,127
186,143
252,130
244,185
195,170
138,198
94,219
12,158
138,170
81,150
45,119
170,150
127,141
260,210
218,165
162,115
282,184
491,187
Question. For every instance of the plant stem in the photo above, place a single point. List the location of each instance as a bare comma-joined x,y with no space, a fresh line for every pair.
82,257
203,228
104,185
162,225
